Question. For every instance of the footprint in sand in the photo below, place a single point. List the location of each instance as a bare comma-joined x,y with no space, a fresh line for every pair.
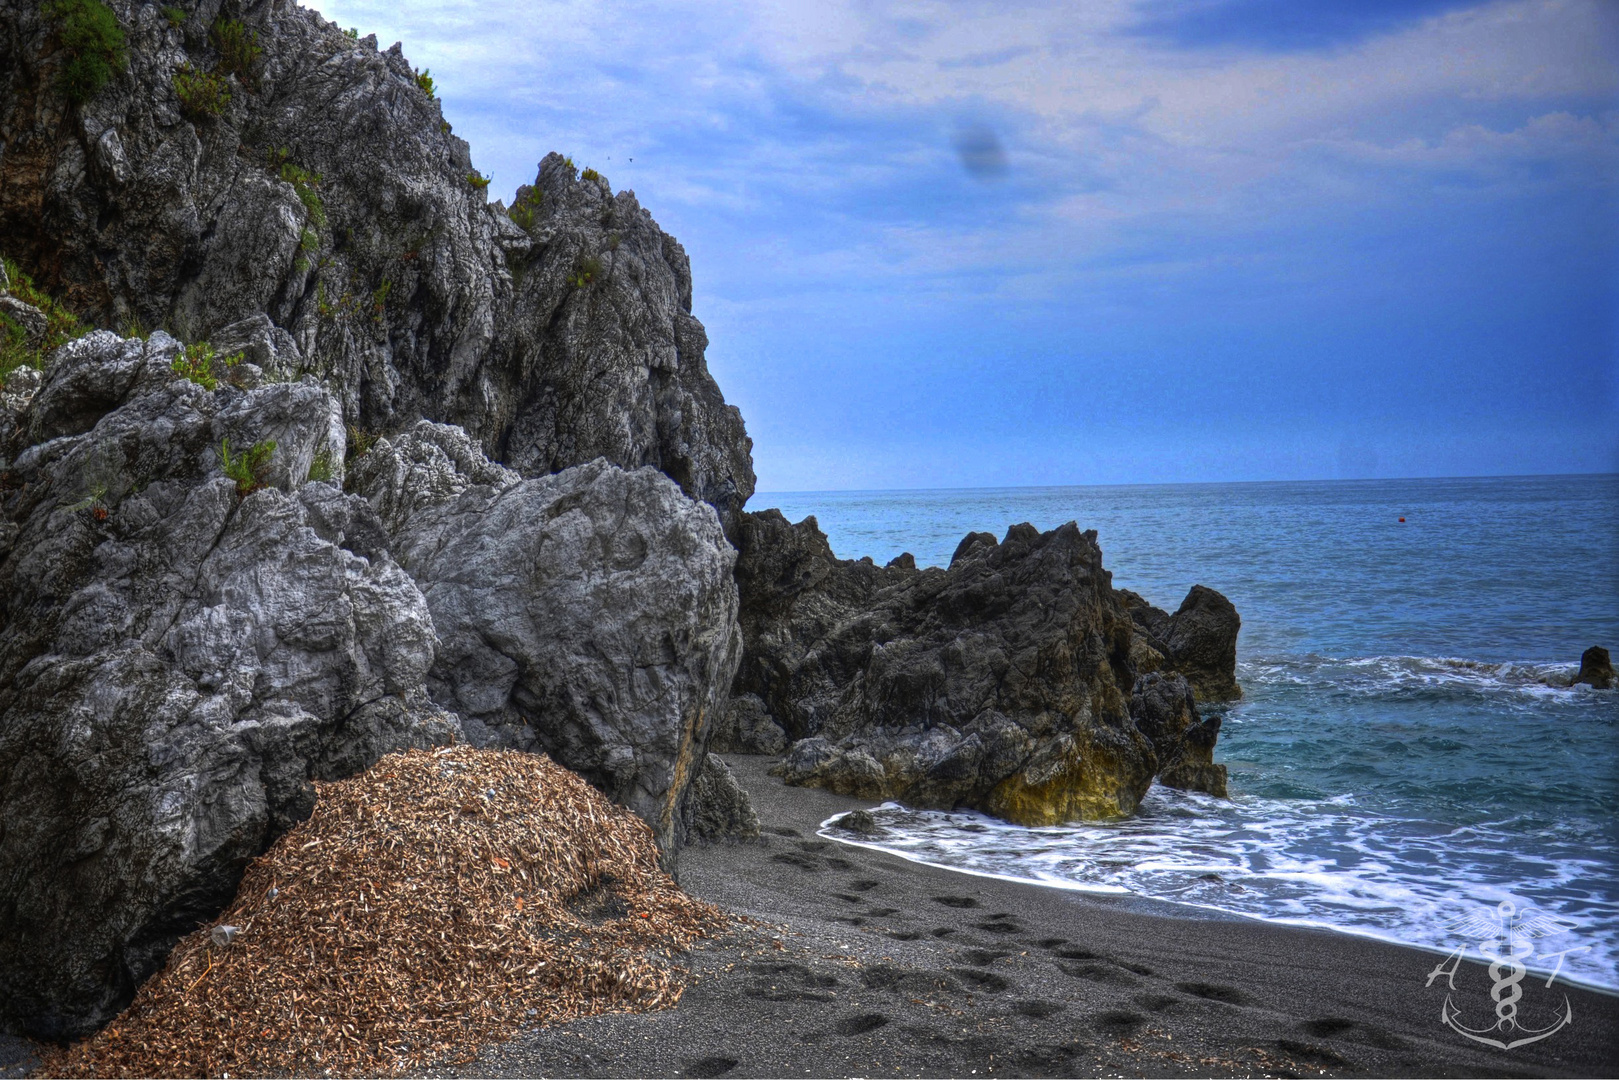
1314,1055
1078,954
956,901
709,1067
860,1025
1037,1010
793,858
863,885
985,981
1096,972
1119,1021
1229,995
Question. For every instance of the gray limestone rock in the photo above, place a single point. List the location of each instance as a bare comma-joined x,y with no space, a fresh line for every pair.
177,663
746,728
590,614
329,223
717,807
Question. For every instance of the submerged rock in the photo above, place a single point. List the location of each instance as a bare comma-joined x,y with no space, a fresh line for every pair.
1596,669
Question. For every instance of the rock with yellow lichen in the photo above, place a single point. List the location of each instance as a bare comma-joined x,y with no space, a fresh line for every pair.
1010,682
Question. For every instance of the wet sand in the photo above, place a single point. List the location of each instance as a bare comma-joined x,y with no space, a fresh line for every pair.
863,964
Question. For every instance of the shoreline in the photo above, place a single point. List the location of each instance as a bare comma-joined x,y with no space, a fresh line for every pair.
861,963
1185,909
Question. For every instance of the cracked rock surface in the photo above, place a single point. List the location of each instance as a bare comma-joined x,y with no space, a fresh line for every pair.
177,663
1007,682
331,200
590,614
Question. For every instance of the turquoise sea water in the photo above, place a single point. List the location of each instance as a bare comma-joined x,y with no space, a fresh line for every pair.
1403,755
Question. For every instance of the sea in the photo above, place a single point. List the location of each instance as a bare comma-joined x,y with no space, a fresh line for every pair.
1407,754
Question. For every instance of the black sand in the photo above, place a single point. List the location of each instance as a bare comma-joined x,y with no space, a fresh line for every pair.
863,964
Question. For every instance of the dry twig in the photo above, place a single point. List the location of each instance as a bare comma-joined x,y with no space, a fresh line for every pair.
428,906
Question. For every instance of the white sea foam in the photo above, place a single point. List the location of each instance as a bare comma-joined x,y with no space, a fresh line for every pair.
1322,864
1396,675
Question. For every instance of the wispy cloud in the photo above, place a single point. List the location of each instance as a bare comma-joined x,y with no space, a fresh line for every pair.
1185,163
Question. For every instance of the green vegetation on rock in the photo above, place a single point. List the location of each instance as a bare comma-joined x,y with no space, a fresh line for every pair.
321,469
238,48
425,80
586,271
248,467
202,366
61,326
525,210
94,43
202,93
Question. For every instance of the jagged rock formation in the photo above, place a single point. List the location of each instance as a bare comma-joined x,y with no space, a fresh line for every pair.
526,559
1164,709
590,614
1008,682
329,197
177,662
718,807
1199,641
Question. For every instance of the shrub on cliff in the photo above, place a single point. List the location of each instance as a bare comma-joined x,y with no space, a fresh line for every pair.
94,43
249,467
238,48
201,365
17,347
202,93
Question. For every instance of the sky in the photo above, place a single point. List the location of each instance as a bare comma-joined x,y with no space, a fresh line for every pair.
1119,241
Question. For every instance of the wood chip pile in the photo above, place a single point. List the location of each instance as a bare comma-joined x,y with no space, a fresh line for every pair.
430,905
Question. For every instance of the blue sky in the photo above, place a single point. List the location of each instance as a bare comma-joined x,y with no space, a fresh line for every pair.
1119,241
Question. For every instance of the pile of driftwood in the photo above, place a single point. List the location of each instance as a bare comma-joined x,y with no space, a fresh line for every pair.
430,905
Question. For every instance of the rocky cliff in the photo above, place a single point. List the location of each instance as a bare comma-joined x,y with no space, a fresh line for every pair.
320,186
371,464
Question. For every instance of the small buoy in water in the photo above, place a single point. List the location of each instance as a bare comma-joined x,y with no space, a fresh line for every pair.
1402,521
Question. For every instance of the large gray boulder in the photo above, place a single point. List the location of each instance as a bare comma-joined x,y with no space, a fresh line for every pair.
591,614
178,662
330,201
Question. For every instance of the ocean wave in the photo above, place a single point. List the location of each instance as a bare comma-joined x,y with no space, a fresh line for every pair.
1325,864
1396,675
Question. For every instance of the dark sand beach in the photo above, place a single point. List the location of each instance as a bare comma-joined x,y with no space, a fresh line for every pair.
863,964
858,963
